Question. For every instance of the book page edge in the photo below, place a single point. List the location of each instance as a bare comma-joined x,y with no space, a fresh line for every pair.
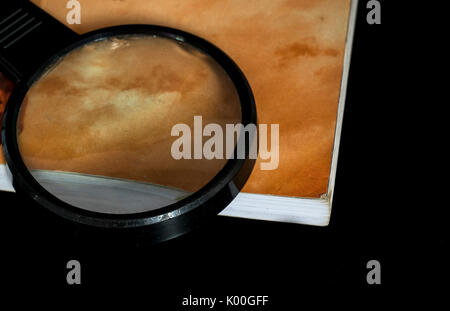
5,179
267,207
342,99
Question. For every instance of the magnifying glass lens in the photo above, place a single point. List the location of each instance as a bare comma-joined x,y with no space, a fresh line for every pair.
124,125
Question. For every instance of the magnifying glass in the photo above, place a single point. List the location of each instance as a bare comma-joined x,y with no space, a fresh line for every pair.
136,126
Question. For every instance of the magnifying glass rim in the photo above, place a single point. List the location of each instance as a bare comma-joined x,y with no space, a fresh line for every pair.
23,179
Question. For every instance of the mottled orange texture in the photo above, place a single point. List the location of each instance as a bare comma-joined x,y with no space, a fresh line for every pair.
290,50
108,109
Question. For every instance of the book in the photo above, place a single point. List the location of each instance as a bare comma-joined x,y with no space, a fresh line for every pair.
296,56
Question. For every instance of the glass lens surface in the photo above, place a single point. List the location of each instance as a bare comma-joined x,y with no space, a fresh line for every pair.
128,124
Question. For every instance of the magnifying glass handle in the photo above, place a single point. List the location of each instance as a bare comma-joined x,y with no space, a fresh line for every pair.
28,37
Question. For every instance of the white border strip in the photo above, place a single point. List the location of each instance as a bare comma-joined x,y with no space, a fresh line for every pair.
279,208
5,179
342,97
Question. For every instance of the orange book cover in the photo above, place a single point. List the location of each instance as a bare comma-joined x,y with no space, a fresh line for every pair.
293,53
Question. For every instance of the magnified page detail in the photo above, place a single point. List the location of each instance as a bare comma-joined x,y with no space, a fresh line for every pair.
96,129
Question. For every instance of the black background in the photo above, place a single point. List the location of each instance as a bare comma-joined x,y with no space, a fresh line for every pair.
376,197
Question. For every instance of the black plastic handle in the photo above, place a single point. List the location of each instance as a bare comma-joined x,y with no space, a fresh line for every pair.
28,37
